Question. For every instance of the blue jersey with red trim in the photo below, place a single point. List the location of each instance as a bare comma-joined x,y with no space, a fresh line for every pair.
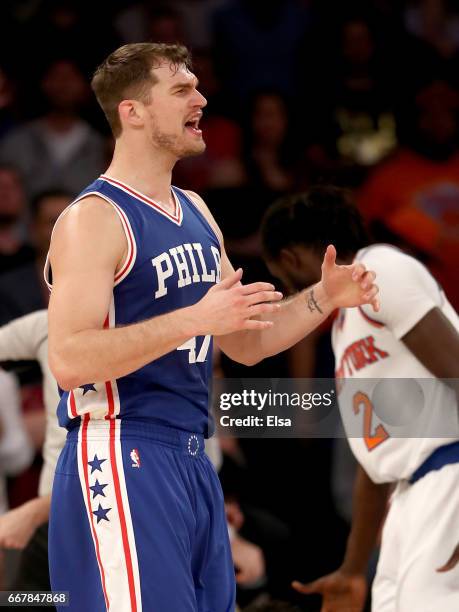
172,261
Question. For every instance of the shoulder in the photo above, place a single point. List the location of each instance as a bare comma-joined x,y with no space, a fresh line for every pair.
90,225
395,269
204,209
407,289
383,255
196,199
392,264
90,210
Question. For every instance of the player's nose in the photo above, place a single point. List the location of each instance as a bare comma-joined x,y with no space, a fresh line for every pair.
200,100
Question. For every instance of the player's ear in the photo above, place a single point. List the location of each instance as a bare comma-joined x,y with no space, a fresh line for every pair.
130,113
288,258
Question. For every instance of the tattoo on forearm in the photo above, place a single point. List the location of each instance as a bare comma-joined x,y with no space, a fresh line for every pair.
312,302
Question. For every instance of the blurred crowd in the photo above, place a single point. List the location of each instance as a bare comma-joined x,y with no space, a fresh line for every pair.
361,94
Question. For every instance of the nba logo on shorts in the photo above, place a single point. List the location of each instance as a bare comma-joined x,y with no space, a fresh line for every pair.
135,458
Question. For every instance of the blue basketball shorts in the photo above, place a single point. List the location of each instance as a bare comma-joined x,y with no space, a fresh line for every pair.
138,523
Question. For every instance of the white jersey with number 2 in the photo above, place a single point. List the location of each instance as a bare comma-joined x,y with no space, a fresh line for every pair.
392,425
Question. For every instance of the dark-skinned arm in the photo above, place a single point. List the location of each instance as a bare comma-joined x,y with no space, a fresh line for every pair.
369,507
435,342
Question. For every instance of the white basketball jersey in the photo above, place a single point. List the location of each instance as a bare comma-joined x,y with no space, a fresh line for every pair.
392,425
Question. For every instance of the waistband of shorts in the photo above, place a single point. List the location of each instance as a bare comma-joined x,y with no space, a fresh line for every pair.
190,442
441,456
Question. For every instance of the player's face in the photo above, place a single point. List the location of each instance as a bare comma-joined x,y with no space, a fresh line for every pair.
296,268
175,110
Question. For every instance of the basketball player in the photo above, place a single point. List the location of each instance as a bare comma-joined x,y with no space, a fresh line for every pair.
413,336
26,526
140,285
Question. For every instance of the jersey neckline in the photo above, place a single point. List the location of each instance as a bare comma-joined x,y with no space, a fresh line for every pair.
175,217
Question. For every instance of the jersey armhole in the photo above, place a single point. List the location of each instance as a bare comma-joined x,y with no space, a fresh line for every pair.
131,255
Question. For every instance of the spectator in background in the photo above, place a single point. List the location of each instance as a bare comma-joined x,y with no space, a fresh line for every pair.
349,110
270,154
59,148
154,21
196,17
415,194
257,45
22,289
270,159
436,24
13,248
164,25
16,451
172,21
67,26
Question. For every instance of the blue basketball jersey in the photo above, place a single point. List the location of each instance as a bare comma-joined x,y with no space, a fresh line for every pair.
173,259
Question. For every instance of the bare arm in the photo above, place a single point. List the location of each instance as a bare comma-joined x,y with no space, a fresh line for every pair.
340,286
441,357
435,342
369,507
297,317
87,247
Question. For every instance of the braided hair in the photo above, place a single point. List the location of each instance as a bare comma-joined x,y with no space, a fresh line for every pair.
321,216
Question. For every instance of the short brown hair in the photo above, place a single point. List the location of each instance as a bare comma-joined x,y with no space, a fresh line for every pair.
127,73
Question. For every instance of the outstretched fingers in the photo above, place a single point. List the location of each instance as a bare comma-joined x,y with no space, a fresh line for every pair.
259,309
263,297
371,296
256,288
255,325
358,272
366,279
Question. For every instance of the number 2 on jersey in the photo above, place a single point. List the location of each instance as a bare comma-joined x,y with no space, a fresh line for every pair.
380,435
190,345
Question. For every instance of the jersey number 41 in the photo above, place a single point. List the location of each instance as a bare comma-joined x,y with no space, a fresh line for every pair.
191,346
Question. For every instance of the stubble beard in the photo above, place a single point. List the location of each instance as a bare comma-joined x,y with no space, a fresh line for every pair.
177,146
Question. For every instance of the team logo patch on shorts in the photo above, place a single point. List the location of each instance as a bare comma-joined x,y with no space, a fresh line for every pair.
135,458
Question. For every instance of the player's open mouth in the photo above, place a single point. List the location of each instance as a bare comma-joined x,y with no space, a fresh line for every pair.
193,126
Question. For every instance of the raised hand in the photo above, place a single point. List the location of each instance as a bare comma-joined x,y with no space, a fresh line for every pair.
230,306
347,286
340,591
